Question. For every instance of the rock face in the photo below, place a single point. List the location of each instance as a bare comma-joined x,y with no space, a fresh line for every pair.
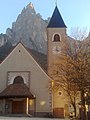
3,39
29,28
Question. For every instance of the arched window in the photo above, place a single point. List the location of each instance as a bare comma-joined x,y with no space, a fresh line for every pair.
56,38
18,79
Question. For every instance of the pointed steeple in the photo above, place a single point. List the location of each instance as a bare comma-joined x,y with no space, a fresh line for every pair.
56,20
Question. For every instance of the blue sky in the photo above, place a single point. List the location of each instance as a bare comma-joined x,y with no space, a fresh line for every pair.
76,13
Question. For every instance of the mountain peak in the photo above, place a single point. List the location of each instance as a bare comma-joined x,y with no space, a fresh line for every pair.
30,5
31,28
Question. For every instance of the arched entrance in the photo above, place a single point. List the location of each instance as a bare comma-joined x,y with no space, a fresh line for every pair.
18,104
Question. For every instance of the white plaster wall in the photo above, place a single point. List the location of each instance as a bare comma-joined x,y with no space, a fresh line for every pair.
20,60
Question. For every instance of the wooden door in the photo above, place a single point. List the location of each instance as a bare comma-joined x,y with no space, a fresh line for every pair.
18,107
58,112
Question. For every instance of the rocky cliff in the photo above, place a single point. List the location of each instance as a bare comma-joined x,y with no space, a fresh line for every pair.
29,28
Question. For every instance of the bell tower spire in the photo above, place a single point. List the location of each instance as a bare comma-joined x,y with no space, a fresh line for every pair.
56,20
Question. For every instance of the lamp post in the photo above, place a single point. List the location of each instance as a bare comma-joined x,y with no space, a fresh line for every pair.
80,111
87,98
86,105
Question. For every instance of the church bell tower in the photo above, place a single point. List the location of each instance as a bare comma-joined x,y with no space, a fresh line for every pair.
56,40
56,37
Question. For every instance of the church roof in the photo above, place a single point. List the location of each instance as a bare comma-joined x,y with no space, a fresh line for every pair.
16,90
56,20
39,57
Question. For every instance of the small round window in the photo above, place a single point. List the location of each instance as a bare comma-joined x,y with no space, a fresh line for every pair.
60,93
56,38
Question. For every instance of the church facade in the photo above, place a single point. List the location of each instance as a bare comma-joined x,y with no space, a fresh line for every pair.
25,87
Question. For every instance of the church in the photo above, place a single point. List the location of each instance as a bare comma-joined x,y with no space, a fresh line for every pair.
24,83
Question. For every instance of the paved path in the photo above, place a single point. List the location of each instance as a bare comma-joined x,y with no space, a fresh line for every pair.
27,118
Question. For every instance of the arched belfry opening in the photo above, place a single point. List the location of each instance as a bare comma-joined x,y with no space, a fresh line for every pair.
56,38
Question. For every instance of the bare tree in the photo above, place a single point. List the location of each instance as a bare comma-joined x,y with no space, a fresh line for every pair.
78,33
64,74
72,73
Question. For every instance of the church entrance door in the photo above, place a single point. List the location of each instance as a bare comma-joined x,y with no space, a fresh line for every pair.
18,107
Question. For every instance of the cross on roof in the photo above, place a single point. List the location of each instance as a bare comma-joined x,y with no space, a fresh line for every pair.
56,2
